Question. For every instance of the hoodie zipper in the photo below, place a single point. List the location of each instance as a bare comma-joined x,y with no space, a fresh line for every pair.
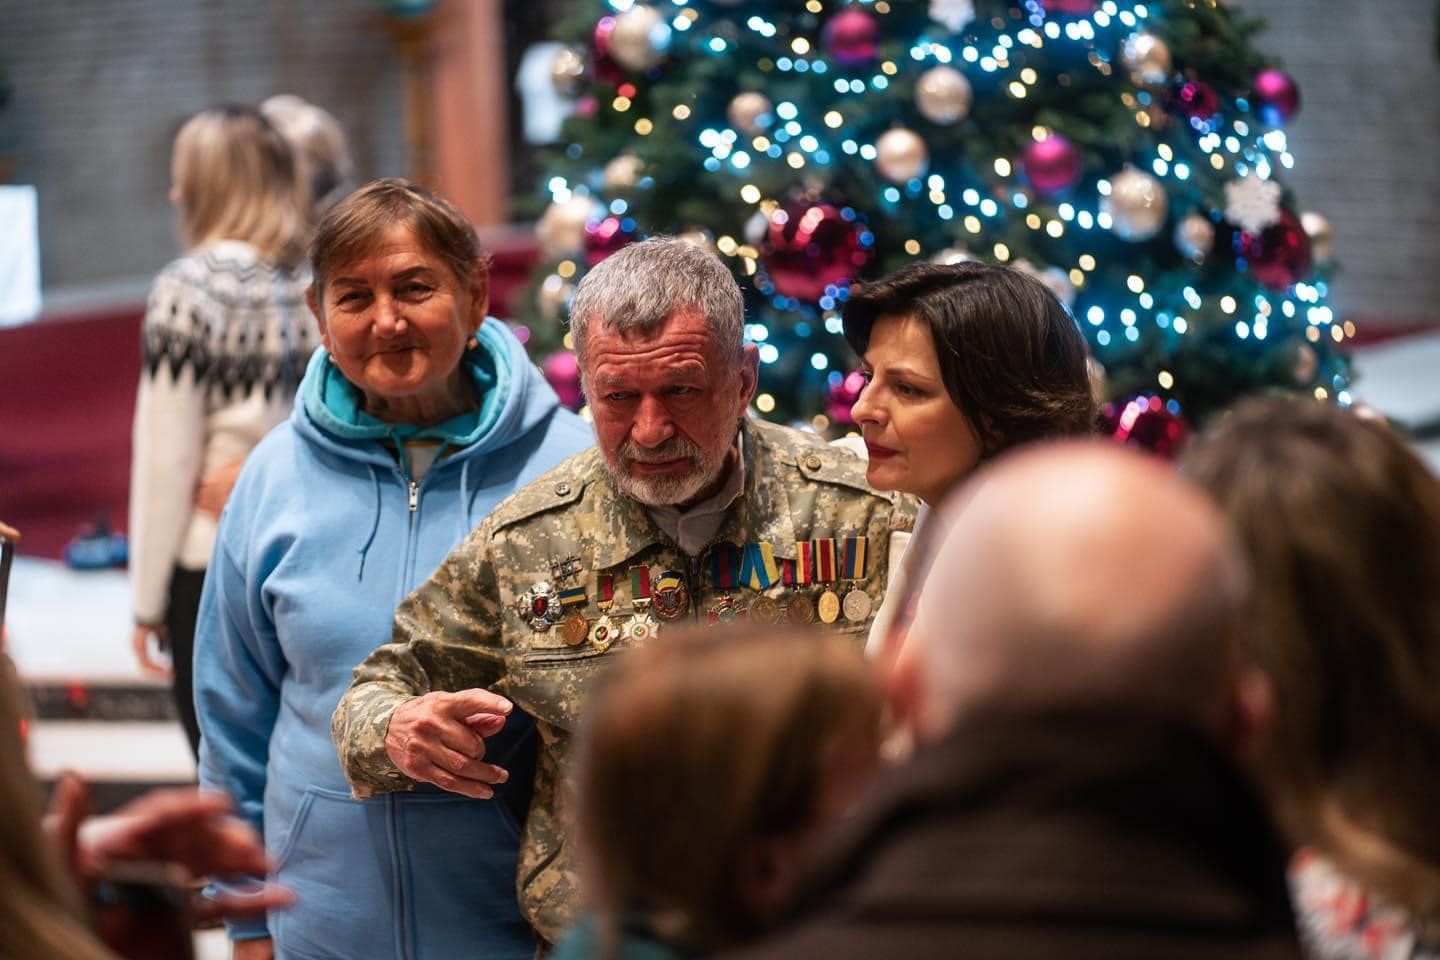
414,496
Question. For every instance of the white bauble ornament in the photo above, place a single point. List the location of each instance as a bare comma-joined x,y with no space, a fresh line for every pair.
953,255
901,155
943,95
567,71
1195,237
553,297
1137,205
756,227
750,113
640,39
622,172
1321,234
1147,57
697,237
561,228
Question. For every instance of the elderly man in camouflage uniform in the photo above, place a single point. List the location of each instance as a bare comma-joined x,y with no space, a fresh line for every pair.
685,511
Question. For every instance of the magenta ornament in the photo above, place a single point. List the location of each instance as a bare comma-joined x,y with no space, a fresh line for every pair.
809,246
1144,421
604,237
852,37
562,372
1052,165
1276,98
840,397
1278,256
1071,8
603,65
1197,100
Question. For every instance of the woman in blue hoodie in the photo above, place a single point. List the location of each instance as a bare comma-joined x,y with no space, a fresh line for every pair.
414,421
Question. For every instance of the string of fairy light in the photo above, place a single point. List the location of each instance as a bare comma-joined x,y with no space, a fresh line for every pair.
800,136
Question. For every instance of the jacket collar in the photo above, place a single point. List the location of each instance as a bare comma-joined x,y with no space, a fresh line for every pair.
761,512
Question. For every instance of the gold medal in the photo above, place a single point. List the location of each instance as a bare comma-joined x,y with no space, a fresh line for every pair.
604,633
829,607
857,605
764,610
576,628
800,609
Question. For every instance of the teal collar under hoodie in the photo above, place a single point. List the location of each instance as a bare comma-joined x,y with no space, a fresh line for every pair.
514,397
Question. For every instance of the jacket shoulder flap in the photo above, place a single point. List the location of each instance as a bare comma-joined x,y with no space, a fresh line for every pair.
815,459
559,487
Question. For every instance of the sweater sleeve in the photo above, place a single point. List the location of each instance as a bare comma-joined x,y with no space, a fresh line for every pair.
167,441
447,636
239,666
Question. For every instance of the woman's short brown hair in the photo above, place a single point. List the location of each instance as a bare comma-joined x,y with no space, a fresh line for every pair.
1011,357
1342,524
357,225
697,744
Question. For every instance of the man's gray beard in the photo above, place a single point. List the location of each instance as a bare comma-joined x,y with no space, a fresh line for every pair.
665,491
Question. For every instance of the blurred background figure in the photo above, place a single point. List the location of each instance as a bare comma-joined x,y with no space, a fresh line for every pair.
414,420
711,764
1342,524
961,363
225,340
1079,689
322,155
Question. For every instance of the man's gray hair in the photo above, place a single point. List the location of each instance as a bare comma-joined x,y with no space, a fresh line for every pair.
639,286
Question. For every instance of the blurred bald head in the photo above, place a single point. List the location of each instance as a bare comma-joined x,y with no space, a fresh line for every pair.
1079,575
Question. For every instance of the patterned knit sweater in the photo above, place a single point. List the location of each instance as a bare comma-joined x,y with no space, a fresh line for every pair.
226,339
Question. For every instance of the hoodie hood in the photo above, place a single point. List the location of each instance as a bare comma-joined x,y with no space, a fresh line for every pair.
513,398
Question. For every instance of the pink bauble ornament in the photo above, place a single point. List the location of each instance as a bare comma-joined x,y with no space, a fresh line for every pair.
1052,165
1279,255
1197,100
1071,8
808,246
840,397
1144,421
605,68
1276,97
562,372
604,237
851,37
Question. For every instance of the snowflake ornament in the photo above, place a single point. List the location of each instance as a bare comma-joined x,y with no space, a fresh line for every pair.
954,14
1252,204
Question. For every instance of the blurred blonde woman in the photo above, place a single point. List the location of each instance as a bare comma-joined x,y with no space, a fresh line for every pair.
711,765
225,342
1342,524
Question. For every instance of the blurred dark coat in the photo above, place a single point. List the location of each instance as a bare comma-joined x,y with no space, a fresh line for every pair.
1075,836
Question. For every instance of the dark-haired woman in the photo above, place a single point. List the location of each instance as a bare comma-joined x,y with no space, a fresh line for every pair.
962,362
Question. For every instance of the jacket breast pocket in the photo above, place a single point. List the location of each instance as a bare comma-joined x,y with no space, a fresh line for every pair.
551,682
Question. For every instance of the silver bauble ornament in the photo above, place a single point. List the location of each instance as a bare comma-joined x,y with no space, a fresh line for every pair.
1321,234
561,228
1147,57
553,297
953,255
943,95
567,71
1137,205
697,237
622,172
750,113
640,39
1099,381
1304,365
756,227
1057,281
901,155
1195,237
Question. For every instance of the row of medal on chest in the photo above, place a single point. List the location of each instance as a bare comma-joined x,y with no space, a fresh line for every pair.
547,605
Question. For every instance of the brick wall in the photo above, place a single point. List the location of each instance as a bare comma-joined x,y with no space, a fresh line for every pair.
100,87
1367,143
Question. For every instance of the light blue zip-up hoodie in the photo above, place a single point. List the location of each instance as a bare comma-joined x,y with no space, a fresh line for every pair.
323,536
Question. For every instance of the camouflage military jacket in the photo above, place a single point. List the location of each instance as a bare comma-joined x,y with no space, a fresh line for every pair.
521,607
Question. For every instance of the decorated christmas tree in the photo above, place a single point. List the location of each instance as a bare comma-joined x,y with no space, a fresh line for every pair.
1132,155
